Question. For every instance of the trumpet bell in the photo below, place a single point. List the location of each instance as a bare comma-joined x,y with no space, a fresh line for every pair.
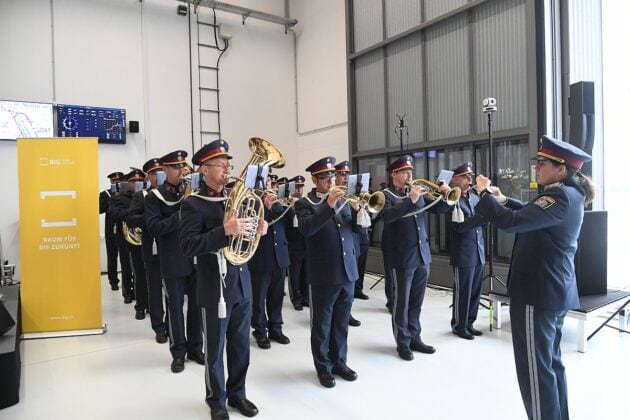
374,202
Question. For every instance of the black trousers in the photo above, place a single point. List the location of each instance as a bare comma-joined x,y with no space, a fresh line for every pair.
125,266
139,278
184,337
409,288
467,283
156,300
330,312
361,262
112,259
298,287
231,333
267,297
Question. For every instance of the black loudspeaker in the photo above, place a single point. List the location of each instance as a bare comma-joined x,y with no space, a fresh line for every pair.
6,322
582,112
134,126
591,258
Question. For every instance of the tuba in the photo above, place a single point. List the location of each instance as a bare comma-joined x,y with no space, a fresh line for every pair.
451,197
133,235
245,203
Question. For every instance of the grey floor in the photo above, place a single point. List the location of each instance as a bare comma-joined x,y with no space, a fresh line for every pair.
124,374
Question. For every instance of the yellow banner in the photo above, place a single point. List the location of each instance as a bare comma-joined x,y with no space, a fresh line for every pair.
59,235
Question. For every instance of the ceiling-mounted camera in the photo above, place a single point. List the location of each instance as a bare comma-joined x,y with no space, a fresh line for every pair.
489,105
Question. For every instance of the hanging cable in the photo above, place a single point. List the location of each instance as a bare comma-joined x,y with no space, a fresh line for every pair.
226,44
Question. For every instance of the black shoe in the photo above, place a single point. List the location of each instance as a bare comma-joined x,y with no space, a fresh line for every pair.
361,295
245,406
353,322
140,314
404,352
115,286
390,307
177,365
279,337
464,334
346,373
262,341
128,299
219,413
305,303
326,379
197,356
474,331
298,306
161,337
422,348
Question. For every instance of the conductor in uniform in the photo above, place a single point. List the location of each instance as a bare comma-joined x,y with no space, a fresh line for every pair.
204,235
467,256
136,219
541,281
298,287
409,254
162,216
110,234
331,271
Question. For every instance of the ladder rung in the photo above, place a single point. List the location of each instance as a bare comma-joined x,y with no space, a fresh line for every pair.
208,67
201,44
205,24
209,89
215,111
209,132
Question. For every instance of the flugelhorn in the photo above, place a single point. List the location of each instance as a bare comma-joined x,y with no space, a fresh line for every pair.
373,202
451,196
132,235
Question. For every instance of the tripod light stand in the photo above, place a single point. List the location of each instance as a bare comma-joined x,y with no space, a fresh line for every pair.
489,108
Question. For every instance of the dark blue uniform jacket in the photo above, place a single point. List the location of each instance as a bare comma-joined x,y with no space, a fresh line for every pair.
274,245
202,234
542,272
408,244
467,246
330,256
163,223
136,219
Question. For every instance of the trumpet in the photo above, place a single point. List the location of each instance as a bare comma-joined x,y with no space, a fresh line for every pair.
373,202
451,196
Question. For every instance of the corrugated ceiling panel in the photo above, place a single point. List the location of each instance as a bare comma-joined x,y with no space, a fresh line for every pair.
370,101
435,8
401,15
368,23
448,86
500,63
404,88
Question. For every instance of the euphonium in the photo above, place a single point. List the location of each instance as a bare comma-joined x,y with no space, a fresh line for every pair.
451,197
133,235
244,202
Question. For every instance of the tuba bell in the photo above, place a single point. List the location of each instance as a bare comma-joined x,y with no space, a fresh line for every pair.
451,197
133,235
245,203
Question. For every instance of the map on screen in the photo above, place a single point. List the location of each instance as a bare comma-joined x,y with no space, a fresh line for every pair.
25,119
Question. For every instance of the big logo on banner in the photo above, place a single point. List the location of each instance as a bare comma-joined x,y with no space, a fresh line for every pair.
59,235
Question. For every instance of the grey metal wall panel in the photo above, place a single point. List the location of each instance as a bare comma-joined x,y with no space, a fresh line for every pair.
368,23
586,40
370,101
401,15
500,63
435,8
447,81
404,88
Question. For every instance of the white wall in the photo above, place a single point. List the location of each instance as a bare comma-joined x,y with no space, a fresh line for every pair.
321,80
135,55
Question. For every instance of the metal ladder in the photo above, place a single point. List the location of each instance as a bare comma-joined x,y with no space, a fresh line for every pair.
209,123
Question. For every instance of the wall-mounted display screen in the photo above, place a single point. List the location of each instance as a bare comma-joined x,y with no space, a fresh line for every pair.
108,124
25,119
